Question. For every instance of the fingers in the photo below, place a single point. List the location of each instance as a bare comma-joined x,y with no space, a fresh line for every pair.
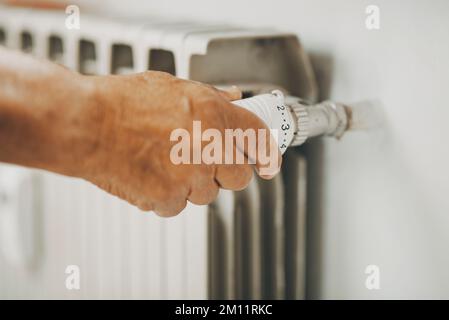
234,177
204,189
264,153
144,206
231,94
170,208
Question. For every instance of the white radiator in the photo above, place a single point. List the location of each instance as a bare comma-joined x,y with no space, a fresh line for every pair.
248,244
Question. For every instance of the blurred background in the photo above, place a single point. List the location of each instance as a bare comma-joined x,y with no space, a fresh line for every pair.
376,197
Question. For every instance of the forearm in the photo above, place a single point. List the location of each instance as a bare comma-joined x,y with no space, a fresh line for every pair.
41,123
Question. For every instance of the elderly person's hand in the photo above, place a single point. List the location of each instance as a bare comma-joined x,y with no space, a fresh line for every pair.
118,132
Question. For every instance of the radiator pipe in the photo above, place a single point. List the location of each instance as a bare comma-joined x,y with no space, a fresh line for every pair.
293,121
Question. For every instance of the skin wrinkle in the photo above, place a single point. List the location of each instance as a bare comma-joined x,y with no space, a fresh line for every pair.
114,131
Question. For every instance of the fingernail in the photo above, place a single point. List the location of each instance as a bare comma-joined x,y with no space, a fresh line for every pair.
267,173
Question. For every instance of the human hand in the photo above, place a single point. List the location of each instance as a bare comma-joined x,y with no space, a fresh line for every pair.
136,115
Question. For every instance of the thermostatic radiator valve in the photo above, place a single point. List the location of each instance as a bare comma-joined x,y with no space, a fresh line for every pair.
296,121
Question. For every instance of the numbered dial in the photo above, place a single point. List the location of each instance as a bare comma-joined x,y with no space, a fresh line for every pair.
271,108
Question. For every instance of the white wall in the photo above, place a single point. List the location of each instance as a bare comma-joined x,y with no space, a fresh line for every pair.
383,198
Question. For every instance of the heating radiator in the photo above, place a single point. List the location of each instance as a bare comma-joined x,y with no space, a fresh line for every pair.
248,244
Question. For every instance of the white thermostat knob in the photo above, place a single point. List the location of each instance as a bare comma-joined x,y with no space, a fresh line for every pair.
271,108
292,122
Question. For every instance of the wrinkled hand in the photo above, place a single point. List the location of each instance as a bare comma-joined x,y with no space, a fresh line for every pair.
135,115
